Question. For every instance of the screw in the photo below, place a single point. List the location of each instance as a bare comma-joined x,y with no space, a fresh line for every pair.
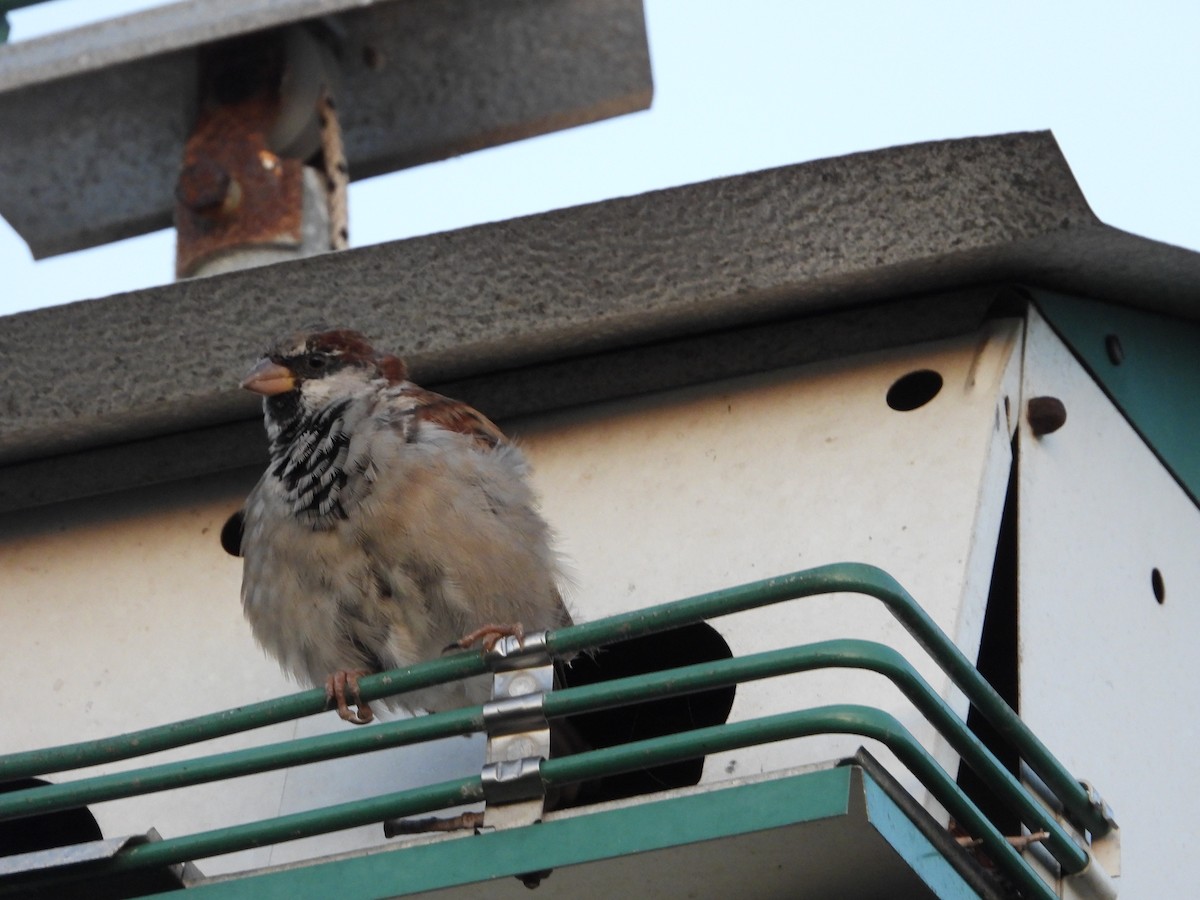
1045,415
1114,349
373,58
532,879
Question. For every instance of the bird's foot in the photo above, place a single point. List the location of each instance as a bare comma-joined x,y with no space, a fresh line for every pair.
342,685
487,636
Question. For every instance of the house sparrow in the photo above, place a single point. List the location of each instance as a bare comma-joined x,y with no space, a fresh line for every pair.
391,522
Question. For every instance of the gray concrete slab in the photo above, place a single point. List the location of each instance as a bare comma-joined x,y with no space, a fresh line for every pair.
94,120
559,308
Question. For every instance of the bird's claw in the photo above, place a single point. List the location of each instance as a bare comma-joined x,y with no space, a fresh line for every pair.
487,636
342,685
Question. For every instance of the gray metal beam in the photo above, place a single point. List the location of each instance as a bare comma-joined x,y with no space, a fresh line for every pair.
94,120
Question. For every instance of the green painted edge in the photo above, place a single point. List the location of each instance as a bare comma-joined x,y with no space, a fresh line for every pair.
1157,385
606,834
601,835
926,861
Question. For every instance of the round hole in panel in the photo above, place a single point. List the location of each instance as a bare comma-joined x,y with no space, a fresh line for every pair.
1156,584
914,390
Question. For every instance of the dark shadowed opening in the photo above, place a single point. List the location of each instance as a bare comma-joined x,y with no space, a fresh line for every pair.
680,647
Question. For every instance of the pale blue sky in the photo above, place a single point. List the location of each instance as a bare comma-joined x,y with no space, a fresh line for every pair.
742,85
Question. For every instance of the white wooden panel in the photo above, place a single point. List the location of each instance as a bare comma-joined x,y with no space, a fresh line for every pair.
718,485
1108,674
123,612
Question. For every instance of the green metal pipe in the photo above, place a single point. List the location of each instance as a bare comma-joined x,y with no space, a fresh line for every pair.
292,827
873,582
690,679
232,721
237,763
847,719
840,577
843,719
845,653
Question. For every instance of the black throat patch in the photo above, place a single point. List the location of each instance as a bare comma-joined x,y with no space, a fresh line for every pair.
308,456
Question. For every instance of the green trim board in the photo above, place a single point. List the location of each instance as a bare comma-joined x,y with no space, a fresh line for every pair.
1149,366
829,832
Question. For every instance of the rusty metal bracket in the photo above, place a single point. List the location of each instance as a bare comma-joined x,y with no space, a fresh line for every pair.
266,111
337,172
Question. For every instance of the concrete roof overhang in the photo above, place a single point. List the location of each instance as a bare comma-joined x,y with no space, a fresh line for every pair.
607,300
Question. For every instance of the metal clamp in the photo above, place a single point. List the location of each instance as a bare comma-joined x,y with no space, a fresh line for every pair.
519,652
1102,809
514,714
513,781
518,732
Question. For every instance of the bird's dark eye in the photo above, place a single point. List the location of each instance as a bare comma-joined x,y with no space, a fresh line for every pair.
312,363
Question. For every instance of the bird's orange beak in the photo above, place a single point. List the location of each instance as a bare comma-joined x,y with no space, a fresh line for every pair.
269,378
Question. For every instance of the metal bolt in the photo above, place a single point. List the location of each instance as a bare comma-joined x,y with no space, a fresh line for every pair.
205,187
373,58
1114,349
1045,415
522,684
532,880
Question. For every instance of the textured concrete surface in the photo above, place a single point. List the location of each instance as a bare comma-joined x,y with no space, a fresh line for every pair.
94,120
177,26
509,301
525,390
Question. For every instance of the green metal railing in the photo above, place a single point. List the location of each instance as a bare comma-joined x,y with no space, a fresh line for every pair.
837,719
559,704
867,722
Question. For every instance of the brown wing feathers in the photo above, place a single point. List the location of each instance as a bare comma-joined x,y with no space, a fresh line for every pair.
456,416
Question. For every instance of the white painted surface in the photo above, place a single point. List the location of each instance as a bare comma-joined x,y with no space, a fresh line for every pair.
121,613
1108,675
715,486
